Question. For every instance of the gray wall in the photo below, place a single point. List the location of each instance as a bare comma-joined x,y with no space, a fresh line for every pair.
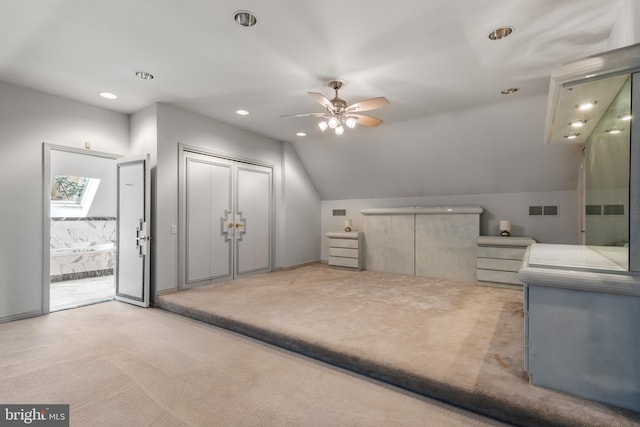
514,207
27,119
179,126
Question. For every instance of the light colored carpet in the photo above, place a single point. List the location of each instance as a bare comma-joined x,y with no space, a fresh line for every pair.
458,342
120,365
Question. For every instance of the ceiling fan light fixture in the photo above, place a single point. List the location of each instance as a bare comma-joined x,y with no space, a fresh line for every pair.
245,18
323,125
339,130
351,122
333,123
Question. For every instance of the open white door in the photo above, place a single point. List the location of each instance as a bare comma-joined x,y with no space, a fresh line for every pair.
133,226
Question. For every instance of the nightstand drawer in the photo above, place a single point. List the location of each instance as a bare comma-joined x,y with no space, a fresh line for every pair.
344,262
343,252
343,243
499,264
498,276
501,253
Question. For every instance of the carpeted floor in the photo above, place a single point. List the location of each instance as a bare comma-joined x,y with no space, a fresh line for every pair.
457,342
120,365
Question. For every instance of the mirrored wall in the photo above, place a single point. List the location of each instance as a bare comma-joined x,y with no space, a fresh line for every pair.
606,180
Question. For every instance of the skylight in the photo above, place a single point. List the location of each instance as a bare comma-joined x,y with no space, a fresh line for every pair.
72,196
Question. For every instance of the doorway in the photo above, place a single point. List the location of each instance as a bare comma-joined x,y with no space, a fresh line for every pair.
81,197
226,218
96,214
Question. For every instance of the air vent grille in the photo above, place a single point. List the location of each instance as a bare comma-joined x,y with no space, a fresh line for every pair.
551,210
339,212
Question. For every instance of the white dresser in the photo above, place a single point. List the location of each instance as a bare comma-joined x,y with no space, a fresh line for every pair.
345,249
499,259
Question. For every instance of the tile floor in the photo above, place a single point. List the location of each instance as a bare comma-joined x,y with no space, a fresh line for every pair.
76,293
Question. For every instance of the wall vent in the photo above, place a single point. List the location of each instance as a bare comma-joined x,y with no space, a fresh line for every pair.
543,210
613,210
339,212
535,210
593,210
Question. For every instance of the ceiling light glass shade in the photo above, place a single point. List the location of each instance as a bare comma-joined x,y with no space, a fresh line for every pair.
333,122
242,112
323,126
577,123
351,122
614,131
626,116
572,136
339,130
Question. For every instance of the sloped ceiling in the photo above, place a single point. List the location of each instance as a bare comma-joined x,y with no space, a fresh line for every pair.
448,130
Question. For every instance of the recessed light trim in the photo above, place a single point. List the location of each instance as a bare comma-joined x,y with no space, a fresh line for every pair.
614,131
245,18
572,135
144,75
301,134
577,123
108,95
242,112
510,90
500,33
625,116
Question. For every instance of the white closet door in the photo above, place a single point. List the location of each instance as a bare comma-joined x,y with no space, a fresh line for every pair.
253,217
209,238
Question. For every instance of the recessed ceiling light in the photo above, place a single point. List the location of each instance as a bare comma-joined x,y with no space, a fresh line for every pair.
586,105
500,33
577,123
301,134
108,95
625,116
572,136
144,75
509,91
245,18
614,131
242,112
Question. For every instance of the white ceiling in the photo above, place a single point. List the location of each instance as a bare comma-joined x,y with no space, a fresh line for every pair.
426,57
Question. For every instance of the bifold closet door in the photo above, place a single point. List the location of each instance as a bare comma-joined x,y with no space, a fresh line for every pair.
253,218
209,240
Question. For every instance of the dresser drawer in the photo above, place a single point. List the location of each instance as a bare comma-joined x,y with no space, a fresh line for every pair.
343,252
343,243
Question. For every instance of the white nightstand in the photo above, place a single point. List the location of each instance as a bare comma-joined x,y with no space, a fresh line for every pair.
345,249
499,259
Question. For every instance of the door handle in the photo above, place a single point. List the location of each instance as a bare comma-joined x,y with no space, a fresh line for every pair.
238,225
230,225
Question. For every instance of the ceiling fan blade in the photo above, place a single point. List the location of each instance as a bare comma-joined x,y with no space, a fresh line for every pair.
368,104
324,115
366,120
320,99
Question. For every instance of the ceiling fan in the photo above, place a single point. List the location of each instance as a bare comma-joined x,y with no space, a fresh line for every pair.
338,114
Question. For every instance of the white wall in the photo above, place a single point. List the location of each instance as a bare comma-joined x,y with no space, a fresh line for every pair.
180,126
563,228
27,119
301,213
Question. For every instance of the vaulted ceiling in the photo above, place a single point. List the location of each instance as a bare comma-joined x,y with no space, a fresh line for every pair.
448,130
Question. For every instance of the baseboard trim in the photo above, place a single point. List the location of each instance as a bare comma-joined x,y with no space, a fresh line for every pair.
5,319
293,267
